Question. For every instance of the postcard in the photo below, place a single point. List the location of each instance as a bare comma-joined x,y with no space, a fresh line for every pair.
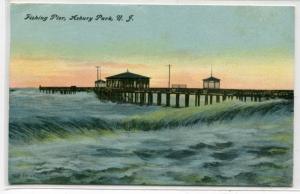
167,95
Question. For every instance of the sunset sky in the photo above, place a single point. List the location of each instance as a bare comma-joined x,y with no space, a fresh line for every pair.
248,47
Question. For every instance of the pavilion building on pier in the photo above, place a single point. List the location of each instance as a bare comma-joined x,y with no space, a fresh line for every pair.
128,80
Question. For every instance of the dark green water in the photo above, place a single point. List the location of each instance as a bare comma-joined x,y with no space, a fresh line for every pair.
61,139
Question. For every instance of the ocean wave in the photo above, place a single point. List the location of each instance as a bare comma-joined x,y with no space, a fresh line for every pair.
43,127
211,114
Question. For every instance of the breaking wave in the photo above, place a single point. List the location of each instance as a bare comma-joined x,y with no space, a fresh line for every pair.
42,127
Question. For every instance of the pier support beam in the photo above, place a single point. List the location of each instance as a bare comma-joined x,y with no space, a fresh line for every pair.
206,100
119,96
177,100
218,98
142,98
116,96
210,99
187,99
224,97
196,99
150,98
130,97
158,99
135,97
168,99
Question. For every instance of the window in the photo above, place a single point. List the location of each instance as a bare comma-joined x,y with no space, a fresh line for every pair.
211,84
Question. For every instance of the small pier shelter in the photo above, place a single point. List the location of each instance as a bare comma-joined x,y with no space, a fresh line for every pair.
211,82
127,80
100,83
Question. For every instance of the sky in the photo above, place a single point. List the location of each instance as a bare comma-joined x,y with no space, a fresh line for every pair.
248,47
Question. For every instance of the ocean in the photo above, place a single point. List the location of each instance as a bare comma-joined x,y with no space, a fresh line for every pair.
79,140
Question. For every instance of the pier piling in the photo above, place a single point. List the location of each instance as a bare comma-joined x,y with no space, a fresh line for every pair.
196,99
142,98
177,100
210,99
218,99
150,98
206,100
199,98
224,97
168,99
187,99
159,98
135,97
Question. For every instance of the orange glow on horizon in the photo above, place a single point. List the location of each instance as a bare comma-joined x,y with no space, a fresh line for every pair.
27,72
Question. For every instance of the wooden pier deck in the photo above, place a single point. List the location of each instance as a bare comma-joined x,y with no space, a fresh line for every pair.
65,89
162,96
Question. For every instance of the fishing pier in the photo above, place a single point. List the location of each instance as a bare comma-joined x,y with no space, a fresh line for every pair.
132,88
183,97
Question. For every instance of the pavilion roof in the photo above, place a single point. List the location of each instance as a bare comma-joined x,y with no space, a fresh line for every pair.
127,75
211,78
100,81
